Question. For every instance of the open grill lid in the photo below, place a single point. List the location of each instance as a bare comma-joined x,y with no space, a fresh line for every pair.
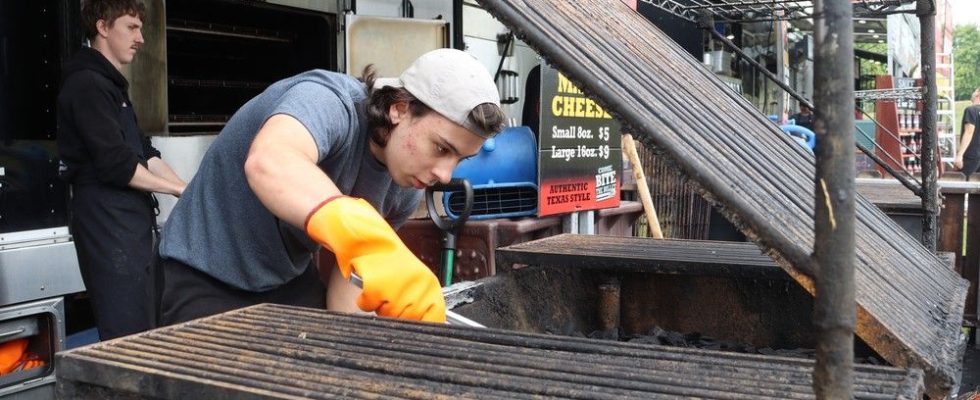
270,351
910,305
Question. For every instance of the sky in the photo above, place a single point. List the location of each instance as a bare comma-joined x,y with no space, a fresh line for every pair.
966,12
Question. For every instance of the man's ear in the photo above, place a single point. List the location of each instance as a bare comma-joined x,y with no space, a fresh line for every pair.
102,27
398,112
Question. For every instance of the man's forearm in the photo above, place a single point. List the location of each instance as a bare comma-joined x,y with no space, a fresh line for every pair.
965,140
143,179
281,169
161,169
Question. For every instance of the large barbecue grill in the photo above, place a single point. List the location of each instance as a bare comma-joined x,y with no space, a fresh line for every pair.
909,304
270,351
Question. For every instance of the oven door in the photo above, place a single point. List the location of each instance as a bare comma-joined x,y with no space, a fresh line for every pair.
42,324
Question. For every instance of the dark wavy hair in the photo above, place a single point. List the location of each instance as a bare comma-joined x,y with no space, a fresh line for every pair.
108,10
488,116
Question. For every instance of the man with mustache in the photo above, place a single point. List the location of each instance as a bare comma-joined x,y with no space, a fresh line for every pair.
113,170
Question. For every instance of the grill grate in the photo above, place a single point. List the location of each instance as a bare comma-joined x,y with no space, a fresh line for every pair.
271,351
682,212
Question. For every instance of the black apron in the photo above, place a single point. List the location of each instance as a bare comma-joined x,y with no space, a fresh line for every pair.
113,229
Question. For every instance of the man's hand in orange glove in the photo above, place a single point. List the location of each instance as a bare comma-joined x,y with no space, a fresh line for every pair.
395,282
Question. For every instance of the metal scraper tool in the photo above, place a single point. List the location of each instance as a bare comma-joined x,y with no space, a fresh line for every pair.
451,317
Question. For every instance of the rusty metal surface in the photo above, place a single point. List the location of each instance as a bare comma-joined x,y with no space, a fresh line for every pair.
930,142
753,312
726,290
667,256
270,351
609,304
834,249
910,306
889,197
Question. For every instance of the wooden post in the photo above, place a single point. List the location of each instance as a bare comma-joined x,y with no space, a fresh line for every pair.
629,147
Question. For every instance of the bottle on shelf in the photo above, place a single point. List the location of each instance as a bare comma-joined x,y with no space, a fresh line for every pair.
913,165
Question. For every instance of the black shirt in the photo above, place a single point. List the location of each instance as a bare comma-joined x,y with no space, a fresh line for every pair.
805,121
98,139
971,115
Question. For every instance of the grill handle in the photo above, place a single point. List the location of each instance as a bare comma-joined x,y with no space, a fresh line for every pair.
454,185
14,332
449,226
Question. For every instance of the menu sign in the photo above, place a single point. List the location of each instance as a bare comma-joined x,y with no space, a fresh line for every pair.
579,150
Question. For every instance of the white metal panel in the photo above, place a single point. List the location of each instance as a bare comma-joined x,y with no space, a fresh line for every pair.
479,23
183,154
39,272
11,240
391,44
480,32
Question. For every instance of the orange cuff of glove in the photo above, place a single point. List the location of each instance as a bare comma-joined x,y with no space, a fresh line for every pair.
350,227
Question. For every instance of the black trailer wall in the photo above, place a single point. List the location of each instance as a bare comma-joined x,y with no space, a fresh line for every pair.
36,37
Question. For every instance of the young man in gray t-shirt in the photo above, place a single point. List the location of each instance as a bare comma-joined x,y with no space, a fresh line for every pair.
323,159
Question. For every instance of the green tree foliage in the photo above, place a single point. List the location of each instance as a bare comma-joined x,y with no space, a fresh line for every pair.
966,60
871,68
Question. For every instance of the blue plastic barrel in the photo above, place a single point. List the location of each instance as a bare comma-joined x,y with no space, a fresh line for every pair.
504,177
808,137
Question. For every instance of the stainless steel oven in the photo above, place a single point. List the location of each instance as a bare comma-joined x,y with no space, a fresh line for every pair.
37,260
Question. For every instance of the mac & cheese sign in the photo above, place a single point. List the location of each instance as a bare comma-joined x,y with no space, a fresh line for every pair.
579,150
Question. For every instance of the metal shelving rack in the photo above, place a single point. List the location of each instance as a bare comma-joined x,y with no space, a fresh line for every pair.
946,109
763,10
705,12
913,93
899,132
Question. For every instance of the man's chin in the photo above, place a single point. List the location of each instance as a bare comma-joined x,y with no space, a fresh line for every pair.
404,183
416,184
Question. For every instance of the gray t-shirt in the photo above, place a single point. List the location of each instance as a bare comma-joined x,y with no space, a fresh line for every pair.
221,228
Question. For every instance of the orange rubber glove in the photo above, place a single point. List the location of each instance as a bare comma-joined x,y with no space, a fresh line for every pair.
14,357
395,282
12,354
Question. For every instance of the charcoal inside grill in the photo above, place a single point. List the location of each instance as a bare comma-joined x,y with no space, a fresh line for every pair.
660,336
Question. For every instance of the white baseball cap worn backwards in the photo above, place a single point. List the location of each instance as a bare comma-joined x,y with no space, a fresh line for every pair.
451,82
